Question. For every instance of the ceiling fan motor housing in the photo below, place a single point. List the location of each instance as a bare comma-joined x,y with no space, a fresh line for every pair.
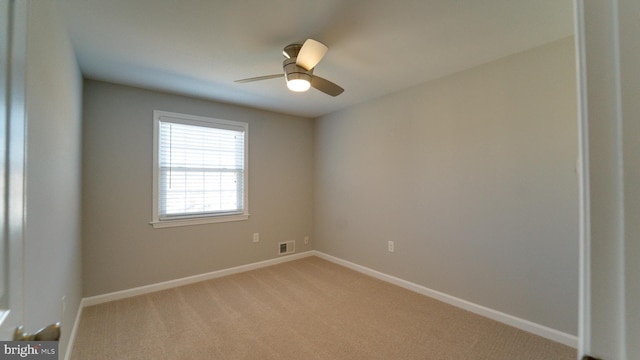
291,51
293,71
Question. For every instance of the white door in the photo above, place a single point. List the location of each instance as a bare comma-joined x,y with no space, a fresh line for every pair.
13,15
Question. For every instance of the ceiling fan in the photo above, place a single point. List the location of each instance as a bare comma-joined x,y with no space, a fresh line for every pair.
300,60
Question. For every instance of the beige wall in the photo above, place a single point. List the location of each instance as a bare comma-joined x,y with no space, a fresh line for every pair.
121,250
52,246
473,177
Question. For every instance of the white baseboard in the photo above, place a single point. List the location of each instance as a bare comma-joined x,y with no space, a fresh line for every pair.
537,329
522,324
99,299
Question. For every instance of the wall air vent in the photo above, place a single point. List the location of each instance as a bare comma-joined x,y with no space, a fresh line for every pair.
286,247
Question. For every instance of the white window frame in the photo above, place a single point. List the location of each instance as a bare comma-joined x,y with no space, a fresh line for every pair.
165,116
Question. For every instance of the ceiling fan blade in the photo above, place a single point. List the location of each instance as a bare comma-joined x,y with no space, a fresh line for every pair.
326,86
310,54
258,78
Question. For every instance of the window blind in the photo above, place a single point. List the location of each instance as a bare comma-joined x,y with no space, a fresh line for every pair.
200,170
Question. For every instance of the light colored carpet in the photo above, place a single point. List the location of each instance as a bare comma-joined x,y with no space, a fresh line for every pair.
303,309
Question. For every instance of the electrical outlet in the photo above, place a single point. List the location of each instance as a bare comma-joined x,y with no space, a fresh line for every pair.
306,240
390,246
256,237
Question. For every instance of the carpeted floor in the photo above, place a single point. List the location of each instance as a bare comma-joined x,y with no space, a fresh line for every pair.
303,309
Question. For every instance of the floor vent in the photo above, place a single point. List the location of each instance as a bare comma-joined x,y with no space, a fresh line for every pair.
286,247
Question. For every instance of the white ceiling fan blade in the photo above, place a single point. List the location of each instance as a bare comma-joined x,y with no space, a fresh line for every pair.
310,54
258,78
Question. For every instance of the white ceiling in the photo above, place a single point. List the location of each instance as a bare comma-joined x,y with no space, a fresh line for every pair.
376,47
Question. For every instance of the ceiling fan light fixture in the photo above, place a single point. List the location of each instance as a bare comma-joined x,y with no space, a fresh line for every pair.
298,85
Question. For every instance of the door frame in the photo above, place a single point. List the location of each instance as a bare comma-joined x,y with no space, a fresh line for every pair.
13,124
608,88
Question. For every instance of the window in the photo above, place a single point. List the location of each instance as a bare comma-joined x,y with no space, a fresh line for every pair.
199,170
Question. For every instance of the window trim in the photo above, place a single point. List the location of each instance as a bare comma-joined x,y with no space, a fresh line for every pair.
186,220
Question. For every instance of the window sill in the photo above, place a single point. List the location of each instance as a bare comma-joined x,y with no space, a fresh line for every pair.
198,221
